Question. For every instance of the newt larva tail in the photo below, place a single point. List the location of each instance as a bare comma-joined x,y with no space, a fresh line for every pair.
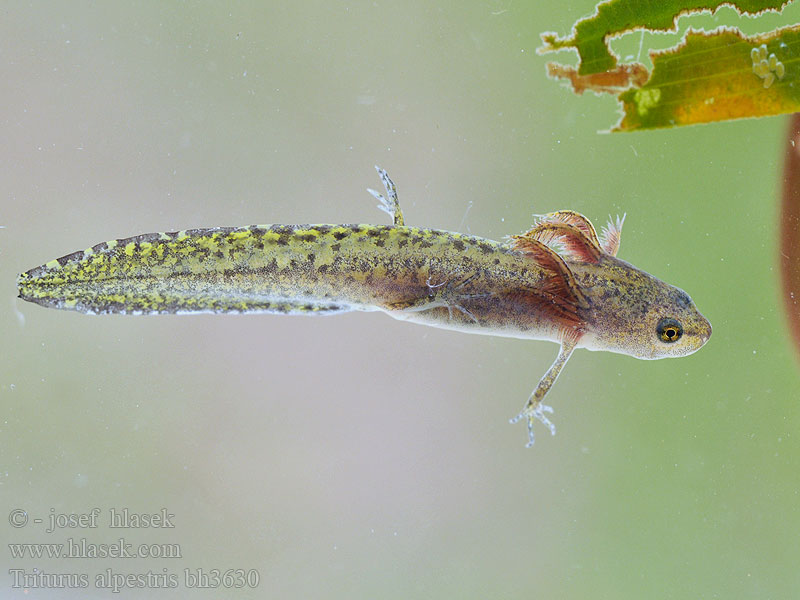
296,269
319,269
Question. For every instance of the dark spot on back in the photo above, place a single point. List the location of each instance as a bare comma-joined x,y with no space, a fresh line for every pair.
338,235
683,300
76,256
459,245
282,229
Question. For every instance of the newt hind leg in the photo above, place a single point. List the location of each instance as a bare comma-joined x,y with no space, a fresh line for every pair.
449,294
389,205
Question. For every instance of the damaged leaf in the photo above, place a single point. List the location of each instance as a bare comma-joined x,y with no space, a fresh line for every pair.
708,76
614,18
716,77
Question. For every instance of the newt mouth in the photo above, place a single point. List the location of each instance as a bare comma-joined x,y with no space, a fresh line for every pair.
706,332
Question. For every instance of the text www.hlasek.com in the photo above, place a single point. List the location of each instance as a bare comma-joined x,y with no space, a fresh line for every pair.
81,548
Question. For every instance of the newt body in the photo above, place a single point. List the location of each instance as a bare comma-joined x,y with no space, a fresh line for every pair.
578,296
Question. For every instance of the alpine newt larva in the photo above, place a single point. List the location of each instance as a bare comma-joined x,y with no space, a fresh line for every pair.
557,282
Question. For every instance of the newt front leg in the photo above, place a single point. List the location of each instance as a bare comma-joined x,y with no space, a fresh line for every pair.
534,409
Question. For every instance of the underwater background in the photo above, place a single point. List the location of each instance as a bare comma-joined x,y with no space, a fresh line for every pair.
356,455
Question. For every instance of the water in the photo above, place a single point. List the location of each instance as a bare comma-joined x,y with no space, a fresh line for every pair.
357,455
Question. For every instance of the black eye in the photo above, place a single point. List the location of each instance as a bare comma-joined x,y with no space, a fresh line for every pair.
669,330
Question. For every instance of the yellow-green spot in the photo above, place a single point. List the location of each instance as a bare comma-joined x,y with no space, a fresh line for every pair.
146,248
646,99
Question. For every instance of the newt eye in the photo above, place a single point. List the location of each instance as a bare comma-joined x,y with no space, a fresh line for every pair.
669,330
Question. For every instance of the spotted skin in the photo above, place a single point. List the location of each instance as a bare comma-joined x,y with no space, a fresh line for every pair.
578,296
289,269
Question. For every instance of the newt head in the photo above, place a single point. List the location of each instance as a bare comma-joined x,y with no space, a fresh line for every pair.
631,312
619,307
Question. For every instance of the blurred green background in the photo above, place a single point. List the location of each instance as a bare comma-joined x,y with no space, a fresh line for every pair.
358,456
